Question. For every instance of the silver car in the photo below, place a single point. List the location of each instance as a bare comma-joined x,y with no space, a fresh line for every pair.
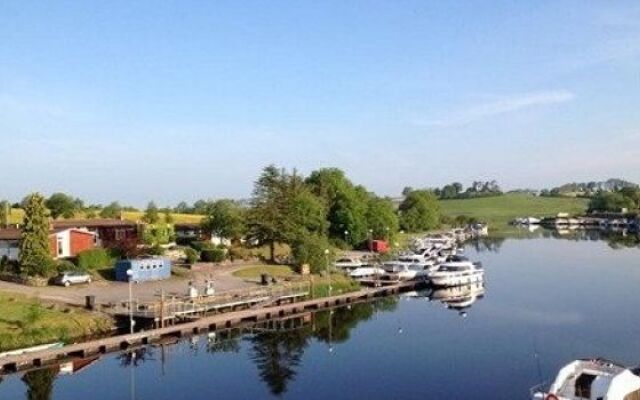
69,278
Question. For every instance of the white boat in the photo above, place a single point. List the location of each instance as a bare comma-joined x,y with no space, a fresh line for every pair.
594,379
457,271
348,263
405,271
366,272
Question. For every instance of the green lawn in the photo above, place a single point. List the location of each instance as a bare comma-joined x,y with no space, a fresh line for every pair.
26,322
254,271
499,210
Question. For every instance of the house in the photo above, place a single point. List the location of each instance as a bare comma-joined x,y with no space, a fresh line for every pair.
10,243
189,232
63,243
109,232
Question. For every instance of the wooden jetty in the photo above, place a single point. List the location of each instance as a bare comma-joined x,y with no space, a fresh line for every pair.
245,317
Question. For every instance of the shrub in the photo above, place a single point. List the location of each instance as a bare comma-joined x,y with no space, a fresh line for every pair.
200,245
191,255
95,258
213,255
239,253
310,249
66,265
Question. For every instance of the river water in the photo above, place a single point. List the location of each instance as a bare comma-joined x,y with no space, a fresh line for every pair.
545,302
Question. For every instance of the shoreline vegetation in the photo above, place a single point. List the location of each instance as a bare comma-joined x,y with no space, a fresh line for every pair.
26,322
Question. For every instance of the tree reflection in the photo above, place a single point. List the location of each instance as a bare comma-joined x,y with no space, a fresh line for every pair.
487,243
39,383
277,355
224,342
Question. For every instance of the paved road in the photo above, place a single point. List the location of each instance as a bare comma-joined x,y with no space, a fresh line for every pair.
113,292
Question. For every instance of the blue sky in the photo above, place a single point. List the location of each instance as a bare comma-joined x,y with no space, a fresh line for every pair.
190,99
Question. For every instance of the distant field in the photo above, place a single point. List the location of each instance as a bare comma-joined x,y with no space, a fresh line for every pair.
17,215
500,210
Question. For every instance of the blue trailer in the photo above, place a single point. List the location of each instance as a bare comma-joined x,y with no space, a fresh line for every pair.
143,269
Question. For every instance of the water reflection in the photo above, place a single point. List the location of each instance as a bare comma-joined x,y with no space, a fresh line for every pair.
39,383
457,298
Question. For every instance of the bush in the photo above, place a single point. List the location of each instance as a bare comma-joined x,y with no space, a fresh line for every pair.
94,259
66,265
310,249
200,245
213,255
191,255
239,253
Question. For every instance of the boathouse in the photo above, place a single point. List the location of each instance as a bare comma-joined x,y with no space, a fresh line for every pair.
143,269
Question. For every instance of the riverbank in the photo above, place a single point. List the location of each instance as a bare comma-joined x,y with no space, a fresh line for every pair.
498,211
26,322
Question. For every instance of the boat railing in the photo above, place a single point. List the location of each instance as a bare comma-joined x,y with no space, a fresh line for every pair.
539,388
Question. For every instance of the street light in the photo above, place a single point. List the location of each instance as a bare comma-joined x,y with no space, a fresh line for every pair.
326,260
346,236
131,322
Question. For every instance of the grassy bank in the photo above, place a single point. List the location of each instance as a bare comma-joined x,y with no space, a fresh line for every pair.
499,210
254,272
26,322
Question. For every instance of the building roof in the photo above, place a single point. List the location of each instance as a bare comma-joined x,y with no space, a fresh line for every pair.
10,234
92,223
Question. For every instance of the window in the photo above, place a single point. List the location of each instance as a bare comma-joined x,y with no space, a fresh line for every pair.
60,245
119,234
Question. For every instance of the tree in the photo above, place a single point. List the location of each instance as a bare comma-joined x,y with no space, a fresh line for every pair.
113,210
35,255
382,218
345,203
151,214
62,205
225,219
5,213
420,211
283,208
311,249
182,208
407,190
610,201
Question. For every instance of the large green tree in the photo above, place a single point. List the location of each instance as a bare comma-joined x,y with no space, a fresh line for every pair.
282,209
113,210
225,219
35,255
63,205
419,211
346,204
382,218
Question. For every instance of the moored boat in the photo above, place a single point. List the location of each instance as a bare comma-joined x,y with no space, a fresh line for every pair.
591,379
457,271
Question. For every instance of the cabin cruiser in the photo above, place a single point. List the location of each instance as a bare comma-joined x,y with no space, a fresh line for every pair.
405,271
594,379
366,272
459,298
348,263
457,270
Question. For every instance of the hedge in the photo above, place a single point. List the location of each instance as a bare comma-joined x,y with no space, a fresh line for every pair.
94,259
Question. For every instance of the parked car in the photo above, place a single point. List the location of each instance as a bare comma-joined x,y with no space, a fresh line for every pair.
69,278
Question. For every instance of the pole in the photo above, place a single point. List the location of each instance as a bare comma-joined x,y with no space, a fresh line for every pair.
326,261
130,275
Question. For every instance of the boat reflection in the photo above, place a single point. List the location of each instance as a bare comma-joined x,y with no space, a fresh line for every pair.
457,298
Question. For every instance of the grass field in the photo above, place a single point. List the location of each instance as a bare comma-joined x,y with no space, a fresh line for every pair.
17,215
25,322
499,210
254,272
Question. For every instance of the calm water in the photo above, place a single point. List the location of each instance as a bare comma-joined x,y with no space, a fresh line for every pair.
561,298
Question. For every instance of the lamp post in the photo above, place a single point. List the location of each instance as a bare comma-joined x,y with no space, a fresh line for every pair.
346,237
131,322
326,261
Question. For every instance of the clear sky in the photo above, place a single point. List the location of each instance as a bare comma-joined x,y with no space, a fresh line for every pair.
190,99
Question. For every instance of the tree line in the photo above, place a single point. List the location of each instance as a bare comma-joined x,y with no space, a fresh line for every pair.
456,190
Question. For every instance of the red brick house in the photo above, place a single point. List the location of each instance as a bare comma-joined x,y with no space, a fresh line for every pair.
63,243
110,233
